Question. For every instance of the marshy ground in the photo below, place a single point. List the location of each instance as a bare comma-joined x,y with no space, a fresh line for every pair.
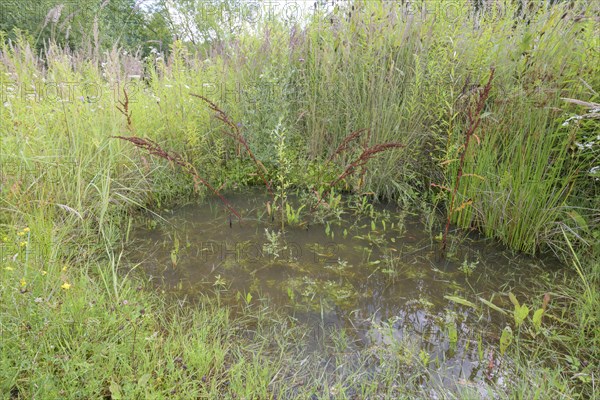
365,203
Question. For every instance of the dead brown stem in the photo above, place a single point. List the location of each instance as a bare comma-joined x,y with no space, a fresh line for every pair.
235,133
361,161
124,109
154,149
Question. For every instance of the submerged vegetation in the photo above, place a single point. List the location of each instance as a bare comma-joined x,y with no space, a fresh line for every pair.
381,101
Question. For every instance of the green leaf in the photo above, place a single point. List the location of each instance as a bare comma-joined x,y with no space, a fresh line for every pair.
514,300
492,306
505,339
520,314
144,379
579,220
452,332
425,357
115,390
460,300
537,318
480,351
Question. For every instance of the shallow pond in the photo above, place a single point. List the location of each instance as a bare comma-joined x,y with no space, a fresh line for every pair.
376,273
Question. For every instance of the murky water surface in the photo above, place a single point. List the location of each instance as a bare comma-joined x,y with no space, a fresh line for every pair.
377,274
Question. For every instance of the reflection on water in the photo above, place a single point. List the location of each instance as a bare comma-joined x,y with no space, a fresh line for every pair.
377,275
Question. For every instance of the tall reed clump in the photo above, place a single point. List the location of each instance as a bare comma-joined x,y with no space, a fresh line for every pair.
409,77
392,69
473,121
526,172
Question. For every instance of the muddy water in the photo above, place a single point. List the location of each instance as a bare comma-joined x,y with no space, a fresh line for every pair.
376,273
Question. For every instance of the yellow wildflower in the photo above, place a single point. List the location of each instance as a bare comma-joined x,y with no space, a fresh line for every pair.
23,244
44,272
20,233
23,282
25,229
66,286
64,269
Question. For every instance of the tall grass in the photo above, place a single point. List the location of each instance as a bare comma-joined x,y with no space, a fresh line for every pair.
410,78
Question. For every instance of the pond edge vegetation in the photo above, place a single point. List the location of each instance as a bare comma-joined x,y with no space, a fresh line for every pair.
73,322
